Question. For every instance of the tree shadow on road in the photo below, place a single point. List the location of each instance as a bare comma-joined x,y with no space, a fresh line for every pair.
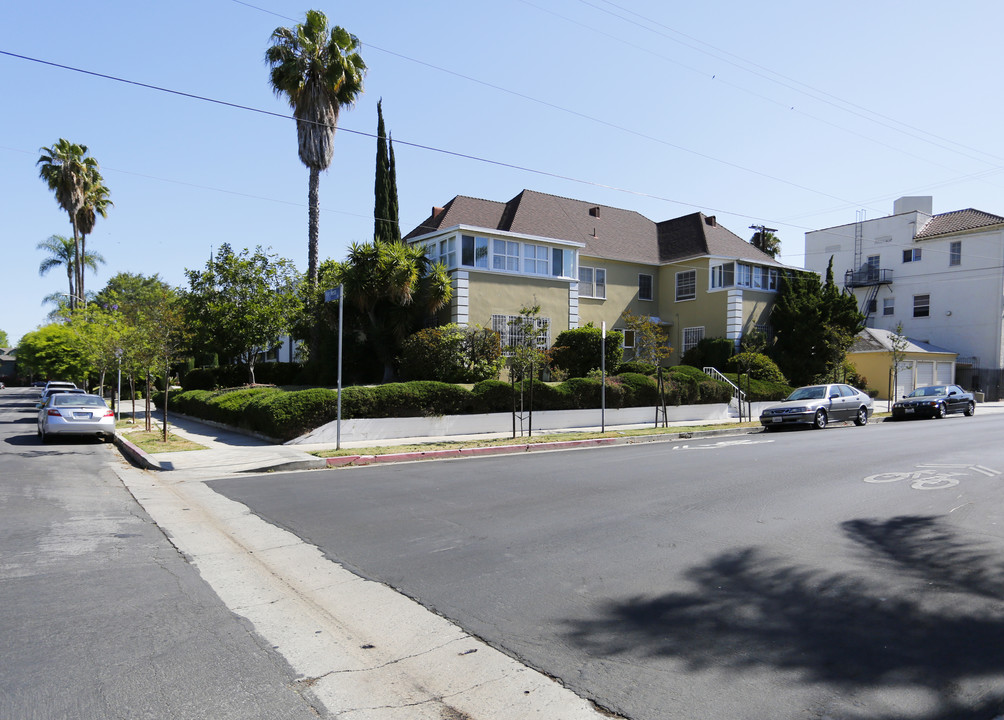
748,609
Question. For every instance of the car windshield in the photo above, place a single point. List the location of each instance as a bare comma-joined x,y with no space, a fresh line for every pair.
78,400
816,392
932,391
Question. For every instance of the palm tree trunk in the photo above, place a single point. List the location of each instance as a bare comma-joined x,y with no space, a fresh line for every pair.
83,255
77,258
313,225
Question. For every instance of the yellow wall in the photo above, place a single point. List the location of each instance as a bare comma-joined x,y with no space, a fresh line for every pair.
498,294
876,366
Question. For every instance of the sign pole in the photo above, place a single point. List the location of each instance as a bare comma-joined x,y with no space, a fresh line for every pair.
603,378
341,315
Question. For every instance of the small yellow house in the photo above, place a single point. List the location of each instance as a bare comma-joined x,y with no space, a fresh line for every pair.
585,263
922,363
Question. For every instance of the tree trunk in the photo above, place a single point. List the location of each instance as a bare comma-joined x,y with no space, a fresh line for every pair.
313,225
149,419
167,389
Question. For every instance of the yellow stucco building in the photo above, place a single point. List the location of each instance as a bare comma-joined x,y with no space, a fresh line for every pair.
586,263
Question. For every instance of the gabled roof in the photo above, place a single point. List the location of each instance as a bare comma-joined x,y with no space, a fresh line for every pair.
876,340
607,232
957,221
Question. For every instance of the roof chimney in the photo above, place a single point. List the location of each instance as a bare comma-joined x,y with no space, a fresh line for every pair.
711,220
595,211
436,212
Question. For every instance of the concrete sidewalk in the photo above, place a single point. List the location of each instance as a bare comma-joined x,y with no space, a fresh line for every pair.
228,451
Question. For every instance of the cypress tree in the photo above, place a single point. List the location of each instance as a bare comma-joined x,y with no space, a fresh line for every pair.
381,188
395,223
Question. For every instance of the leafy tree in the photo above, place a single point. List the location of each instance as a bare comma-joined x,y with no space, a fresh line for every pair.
242,305
452,354
391,290
319,71
897,354
651,341
578,350
3,339
709,352
62,252
757,365
385,222
53,351
814,324
766,241
71,175
99,331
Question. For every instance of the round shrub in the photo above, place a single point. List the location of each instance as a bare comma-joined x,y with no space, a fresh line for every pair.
577,351
757,365
639,390
636,366
492,396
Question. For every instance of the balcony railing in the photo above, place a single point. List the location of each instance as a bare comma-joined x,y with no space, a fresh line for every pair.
867,277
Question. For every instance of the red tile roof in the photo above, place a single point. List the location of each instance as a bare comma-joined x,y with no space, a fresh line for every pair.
957,221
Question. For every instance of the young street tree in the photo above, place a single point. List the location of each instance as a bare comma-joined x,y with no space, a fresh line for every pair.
319,71
242,305
651,341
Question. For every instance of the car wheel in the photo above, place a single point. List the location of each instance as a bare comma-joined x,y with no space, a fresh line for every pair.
970,409
819,422
940,412
862,417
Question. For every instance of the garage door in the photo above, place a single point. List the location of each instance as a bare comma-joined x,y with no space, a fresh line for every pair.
925,373
944,373
904,379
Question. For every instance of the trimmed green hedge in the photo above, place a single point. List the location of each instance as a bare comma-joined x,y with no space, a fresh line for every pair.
286,414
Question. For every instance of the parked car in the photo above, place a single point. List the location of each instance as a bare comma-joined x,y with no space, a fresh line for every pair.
46,394
52,384
75,414
934,401
818,405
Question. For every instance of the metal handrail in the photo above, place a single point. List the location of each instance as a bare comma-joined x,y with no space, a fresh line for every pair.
736,392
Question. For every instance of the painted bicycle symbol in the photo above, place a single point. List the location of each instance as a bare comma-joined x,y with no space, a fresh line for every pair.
931,477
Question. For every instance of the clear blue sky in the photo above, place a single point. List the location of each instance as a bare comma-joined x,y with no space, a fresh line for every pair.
791,114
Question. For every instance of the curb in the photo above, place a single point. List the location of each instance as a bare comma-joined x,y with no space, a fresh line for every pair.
134,455
342,461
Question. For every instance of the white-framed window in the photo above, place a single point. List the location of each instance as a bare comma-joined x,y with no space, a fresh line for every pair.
773,279
592,282
888,306
911,255
512,333
872,267
562,262
535,259
692,336
686,285
644,287
759,277
744,275
955,253
921,306
505,255
448,252
473,251
628,338
723,276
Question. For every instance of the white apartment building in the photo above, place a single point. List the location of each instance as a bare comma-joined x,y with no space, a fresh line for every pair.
941,276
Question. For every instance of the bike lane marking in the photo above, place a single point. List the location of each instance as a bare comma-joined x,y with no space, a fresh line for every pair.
933,476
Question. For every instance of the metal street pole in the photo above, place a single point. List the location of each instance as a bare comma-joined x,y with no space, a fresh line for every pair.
603,378
338,423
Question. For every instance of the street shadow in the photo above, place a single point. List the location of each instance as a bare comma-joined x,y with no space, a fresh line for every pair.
748,609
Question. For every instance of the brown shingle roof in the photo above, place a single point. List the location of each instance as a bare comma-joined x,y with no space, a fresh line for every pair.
957,221
607,232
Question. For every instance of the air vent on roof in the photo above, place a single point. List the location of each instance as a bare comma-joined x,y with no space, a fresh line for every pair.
711,220
595,211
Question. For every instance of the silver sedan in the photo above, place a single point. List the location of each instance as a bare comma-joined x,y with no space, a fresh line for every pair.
818,405
72,414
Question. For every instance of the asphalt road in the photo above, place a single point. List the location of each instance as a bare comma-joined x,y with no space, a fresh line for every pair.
100,617
848,573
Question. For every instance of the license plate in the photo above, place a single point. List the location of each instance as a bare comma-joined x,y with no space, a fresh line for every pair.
82,416
908,410
777,419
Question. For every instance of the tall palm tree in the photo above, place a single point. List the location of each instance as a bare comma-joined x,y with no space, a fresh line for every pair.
319,71
96,202
767,242
62,252
65,167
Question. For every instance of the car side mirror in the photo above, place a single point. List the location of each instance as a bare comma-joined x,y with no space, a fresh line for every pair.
834,396
952,392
